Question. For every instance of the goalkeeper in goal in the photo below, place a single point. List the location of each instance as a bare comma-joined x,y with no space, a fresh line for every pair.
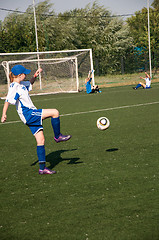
18,95
89,87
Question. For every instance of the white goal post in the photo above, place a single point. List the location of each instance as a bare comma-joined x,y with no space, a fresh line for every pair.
63,71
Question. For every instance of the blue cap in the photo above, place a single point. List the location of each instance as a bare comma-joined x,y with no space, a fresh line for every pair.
19,69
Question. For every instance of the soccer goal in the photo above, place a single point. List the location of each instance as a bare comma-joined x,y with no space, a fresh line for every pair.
63,71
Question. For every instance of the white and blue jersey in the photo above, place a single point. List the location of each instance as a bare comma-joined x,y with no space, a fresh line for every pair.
18,95
148,82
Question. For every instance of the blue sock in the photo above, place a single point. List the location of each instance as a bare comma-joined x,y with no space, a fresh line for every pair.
139,85
56,126
41,156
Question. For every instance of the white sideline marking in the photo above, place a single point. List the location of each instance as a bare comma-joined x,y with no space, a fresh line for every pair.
93,111
10,122
108,109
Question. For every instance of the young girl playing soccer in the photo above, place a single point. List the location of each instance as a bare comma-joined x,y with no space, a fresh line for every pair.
89,88
147,83
31,116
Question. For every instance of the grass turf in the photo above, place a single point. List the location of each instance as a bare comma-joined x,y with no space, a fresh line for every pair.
106,186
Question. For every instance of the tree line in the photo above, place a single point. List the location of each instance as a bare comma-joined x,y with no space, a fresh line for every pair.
119,46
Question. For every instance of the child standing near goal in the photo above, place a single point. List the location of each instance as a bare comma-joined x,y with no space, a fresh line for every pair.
31,116
147,83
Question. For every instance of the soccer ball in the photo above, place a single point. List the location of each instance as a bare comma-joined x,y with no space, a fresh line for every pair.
103,123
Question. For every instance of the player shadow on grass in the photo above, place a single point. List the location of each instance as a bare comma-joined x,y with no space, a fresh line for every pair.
112,149
54,158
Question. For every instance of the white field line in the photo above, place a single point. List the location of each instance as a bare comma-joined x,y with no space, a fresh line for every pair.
94,111
108,109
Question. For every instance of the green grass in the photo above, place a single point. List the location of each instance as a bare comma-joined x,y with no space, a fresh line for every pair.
126,79
106,186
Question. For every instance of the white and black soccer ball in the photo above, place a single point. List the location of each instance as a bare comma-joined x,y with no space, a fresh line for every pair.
103,123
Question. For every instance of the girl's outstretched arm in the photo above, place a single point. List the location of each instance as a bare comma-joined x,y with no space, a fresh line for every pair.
142,78
148,75
4,113
32,80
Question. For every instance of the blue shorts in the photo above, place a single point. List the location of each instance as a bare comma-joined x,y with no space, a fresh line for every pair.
35,121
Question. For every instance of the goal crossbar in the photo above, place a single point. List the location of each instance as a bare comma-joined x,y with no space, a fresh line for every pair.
40,60
47,52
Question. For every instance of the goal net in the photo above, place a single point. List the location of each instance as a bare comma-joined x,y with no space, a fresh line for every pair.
63,71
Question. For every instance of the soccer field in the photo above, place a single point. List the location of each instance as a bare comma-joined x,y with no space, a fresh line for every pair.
106,186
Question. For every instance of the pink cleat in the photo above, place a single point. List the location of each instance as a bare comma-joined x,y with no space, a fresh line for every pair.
46,171
62,138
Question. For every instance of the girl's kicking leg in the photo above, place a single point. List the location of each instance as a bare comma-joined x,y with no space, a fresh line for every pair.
39,136
55,122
